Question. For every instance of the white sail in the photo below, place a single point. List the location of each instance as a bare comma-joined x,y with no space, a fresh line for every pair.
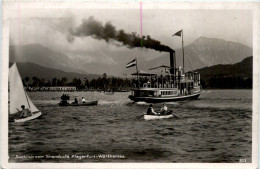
18,96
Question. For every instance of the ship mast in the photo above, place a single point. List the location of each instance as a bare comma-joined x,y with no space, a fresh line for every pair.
180,33
137,74
183,50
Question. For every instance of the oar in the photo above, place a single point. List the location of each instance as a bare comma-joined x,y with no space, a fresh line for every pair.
175,116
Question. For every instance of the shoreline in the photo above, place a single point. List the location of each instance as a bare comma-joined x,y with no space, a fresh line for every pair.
121,91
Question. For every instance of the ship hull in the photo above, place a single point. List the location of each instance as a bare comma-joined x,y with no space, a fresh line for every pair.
164,99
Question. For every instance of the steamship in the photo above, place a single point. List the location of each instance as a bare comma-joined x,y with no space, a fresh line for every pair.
171,84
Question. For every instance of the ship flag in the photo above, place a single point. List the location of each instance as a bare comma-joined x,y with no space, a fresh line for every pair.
178,33
131,64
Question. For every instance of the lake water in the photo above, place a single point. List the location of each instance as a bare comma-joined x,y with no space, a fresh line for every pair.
215,128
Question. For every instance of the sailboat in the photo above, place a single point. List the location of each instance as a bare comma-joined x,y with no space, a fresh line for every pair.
19,97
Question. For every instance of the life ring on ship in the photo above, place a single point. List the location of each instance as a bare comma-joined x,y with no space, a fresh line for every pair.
145,85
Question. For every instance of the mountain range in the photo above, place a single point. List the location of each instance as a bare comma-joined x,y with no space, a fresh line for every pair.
229,73
28,69
203,52
241,70
85,62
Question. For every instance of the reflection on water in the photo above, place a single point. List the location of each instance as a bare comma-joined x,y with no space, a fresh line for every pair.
214,128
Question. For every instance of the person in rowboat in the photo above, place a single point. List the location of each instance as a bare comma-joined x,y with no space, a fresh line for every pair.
76,101
25,112
83,100
164,109
150,110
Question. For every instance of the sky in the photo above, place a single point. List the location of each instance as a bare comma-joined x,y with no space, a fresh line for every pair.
50,28
231,25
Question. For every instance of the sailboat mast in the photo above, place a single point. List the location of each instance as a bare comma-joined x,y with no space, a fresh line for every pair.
183,50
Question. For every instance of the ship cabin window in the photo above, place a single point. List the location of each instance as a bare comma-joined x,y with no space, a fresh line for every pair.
170,92
146,93
150,93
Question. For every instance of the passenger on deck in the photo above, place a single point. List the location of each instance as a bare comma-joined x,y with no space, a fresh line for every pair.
25,112
164,109
148,83
83,100
150,110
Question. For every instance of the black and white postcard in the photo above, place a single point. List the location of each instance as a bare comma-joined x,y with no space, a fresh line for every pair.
129,84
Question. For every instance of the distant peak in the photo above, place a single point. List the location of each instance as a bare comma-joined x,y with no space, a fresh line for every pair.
207,40
203,38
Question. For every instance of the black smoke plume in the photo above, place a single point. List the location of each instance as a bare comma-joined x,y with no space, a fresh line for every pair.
95,29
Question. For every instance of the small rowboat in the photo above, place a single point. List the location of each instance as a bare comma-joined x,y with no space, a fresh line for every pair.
34,116
154,117
90,103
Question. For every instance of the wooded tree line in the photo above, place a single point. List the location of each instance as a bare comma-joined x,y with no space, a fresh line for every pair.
228,83
117,83
102,83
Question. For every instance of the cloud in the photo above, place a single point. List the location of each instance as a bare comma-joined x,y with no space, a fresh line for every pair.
52,33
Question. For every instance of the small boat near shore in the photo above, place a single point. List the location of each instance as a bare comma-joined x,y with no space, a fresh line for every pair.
65,98
89,103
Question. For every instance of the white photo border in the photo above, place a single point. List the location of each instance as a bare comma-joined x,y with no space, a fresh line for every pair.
7,12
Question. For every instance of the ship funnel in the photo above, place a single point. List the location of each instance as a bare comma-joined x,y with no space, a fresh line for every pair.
172,61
